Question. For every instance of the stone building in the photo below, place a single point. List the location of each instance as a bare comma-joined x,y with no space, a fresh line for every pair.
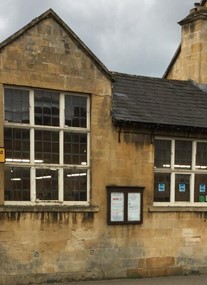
104,174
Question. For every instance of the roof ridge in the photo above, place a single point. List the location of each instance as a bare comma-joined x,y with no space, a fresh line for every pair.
151,77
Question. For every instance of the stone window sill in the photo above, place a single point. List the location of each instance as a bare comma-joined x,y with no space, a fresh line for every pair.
157,209
49,208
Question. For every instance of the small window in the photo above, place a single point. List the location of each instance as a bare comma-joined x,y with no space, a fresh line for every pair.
162,187
17,106
200,188
75,111
180,172
183,154
201,156
182,187
162,153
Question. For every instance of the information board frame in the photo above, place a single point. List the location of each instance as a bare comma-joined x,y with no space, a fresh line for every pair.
124,205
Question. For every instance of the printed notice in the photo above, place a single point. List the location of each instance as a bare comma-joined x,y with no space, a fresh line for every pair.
182,187
202,188
134,206
161,187
117,207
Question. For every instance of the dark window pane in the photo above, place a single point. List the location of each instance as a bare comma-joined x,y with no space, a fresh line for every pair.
183,154
75,111
200,194
162,153
17,145
16,105
47,146
17,184
46,108
75,185
182,187
162,187
201,156
46,184
75,148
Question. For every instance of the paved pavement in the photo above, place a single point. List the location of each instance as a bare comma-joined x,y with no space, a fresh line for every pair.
175,280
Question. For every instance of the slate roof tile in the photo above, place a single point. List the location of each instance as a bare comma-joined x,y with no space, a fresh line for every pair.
140,99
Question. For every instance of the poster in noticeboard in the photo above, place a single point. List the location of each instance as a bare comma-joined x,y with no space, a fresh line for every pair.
134,206
117,207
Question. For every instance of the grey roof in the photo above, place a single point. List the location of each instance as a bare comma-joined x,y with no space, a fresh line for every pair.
158,101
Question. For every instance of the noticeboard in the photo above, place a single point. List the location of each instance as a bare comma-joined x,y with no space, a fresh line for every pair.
125,205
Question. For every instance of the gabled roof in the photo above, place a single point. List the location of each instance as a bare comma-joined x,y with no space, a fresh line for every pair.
50,13
158,102
177,52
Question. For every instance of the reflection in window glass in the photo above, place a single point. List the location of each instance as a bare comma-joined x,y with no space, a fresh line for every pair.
201,155
16,105
162,153
75,185
75,148
182,187
17,145
46,184
47,146
162,187
183,154
46,108
75,111
17,184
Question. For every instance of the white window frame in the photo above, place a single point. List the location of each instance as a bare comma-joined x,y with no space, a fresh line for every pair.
33,165
172,171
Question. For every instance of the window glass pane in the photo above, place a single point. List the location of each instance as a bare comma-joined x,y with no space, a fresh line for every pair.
200,194
183,154
182,187
75,148
46,108
75,111
47,146
162,153
201,156
16,105
17,184
46,184
75,185
162,187
17,145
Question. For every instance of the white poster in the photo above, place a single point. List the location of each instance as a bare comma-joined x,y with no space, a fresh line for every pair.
134,204
117,207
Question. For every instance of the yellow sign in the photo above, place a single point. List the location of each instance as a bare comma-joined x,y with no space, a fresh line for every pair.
2,155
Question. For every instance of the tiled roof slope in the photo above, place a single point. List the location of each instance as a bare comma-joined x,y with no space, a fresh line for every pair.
158,101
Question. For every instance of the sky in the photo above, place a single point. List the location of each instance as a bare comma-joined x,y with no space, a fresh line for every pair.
130,36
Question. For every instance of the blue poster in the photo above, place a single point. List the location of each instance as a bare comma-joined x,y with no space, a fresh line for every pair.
182,187
202,188
161,187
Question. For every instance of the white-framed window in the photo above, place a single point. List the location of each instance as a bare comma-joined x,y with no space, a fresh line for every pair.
46,139
180,172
